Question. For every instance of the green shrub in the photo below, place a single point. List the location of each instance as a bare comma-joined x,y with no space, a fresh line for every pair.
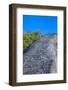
29,38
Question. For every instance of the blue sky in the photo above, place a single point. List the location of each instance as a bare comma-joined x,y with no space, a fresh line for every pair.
46,24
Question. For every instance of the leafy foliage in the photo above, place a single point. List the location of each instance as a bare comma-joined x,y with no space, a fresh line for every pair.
29,38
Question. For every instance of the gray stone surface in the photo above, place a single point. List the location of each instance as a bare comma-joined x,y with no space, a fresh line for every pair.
41,58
